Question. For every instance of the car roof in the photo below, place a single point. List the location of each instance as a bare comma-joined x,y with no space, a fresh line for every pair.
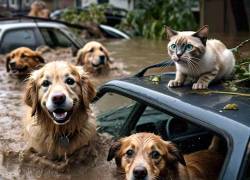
15,23
206,106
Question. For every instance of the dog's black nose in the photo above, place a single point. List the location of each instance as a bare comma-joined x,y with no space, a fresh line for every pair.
58,98
13,64
140,172
102,59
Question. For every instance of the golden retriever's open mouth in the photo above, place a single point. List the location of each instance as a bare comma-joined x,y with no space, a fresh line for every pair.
19,70
61,116
97,66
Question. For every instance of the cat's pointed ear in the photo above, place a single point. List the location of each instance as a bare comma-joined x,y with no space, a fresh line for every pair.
202,33
170,32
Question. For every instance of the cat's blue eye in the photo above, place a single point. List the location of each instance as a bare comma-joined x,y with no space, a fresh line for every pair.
173,46
189,47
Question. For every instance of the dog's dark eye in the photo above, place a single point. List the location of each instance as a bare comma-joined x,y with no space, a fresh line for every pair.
155,154
91,50
70,81
23,56
129,153
46,83
101,48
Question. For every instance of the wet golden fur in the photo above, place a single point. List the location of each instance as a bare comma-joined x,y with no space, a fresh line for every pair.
169,164
25,60
38,9
89,55
40,131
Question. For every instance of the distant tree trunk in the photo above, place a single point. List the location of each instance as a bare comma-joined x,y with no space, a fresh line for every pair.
240,15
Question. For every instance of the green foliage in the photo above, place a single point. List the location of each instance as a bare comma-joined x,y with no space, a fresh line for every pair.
94,14
242,69
150,17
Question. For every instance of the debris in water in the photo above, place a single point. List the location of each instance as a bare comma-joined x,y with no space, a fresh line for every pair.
232,106
155,79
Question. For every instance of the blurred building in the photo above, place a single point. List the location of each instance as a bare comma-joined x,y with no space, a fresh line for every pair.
225,16
124,4
60,4
25,4
15,4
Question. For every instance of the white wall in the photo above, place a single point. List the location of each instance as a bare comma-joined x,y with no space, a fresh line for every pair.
88,2
126,4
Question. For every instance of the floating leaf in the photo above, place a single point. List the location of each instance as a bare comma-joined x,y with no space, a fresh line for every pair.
232,106
155,79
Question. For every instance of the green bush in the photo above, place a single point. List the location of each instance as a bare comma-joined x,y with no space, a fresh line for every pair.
150,17
94,14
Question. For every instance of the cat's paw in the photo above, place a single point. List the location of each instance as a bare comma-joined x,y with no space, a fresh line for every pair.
174,83
200,86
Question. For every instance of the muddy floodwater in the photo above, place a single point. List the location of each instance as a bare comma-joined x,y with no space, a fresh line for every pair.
130,56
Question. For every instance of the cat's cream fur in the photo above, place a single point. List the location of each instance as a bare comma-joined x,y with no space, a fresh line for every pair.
210,59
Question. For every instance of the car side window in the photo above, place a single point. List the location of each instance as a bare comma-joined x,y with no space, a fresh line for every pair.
188,136
153,121
55,38
111,117
26,37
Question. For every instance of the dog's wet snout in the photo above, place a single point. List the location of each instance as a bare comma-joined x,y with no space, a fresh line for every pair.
12,64
140,172
58,98
102,59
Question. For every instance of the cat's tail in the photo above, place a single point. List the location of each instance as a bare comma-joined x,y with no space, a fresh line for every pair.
236,48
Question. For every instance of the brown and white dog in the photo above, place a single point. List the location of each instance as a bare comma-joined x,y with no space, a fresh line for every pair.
23,60
59,120
145,156
94,57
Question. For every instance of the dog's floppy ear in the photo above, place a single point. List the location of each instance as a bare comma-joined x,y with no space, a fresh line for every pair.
174,155
7,63
31,95
80,57
39,58
113,150
88,90
106,52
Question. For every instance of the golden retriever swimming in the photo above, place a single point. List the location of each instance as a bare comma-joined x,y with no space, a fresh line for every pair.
22,61
94,57
145,156
59,121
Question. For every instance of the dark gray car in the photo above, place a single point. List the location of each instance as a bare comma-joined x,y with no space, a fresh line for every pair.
188,118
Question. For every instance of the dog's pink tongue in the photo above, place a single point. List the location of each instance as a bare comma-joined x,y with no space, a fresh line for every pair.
60,116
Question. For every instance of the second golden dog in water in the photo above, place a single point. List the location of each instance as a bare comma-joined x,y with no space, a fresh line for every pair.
94,57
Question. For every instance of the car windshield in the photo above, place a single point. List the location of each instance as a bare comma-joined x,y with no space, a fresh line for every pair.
111,118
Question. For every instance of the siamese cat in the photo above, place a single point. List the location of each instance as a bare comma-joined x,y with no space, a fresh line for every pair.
196,56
